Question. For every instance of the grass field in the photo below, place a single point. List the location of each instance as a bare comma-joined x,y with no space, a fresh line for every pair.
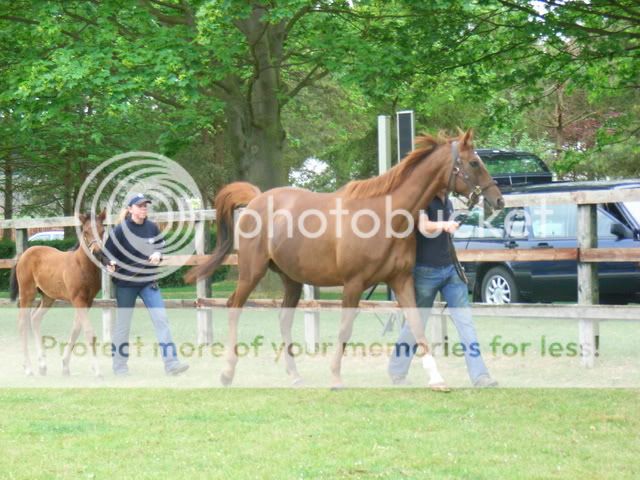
360,433
249,433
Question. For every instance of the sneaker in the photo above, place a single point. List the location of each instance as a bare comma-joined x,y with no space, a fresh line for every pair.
178,369
400,381
485,381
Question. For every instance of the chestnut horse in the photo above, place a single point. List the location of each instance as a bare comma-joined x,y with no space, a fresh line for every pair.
347,250
71,276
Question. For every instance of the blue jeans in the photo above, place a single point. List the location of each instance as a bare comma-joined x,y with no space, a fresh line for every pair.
126,298
428,282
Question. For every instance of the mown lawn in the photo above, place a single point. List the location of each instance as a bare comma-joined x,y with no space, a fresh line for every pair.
315,433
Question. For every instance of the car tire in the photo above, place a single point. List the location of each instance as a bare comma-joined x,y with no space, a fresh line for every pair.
499,287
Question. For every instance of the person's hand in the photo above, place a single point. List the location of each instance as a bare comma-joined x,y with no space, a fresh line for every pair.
111,267
450,227
155,258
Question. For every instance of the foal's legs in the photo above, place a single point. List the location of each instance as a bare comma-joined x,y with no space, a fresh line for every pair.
36,321
81,321
404,289
350,300
27,294
251,269
292,290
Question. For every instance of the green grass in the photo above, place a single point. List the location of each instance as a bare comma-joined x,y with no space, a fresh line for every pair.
253,433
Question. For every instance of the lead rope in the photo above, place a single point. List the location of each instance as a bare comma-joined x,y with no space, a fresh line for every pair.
452,248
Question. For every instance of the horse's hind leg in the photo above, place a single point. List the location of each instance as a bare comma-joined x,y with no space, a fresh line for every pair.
251,268
292,290
36,322
27,294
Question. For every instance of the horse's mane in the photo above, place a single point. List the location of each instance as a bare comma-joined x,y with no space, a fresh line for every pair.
391,180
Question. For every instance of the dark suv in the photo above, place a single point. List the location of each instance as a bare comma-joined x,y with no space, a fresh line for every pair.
512,168
547,281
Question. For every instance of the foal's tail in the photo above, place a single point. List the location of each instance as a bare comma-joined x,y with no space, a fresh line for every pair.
13,282
230,197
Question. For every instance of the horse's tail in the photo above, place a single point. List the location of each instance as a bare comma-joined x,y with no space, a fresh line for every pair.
229,198
14,287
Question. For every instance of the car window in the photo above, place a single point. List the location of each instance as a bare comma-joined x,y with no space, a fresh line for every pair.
515,164
554,221
476,225
634,209
604,224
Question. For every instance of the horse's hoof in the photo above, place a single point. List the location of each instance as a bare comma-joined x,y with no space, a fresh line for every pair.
297,382
42,371
66,372
28,372
225,379
338,387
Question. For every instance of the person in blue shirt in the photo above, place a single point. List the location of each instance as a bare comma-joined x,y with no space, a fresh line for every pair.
435,272
134,249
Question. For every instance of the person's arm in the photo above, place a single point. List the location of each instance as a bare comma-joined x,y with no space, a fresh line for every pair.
429,227
158,245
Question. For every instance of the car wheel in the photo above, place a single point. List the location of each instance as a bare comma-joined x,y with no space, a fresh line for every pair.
499,286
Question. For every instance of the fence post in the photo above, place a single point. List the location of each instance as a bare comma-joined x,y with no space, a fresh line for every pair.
108,313
203,288
588,289
311,321
21,240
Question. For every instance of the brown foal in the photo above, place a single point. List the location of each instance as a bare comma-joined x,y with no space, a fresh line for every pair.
71,276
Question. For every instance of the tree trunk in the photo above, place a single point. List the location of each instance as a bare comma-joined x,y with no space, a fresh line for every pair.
257,149
253,109
8,195
67,199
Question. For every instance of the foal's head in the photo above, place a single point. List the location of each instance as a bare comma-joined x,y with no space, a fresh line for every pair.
472,178
92,232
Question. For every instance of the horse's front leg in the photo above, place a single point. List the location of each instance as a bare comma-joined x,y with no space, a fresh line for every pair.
91,339
292,290
350,300
75,332
404,289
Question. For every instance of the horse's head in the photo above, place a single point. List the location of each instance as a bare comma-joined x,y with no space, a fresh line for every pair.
92,232
469,176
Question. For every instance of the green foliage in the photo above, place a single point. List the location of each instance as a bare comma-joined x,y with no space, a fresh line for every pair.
235,88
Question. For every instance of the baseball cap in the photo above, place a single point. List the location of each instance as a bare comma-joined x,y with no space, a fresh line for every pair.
137,199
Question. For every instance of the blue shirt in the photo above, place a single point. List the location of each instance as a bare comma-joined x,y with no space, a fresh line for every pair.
131,244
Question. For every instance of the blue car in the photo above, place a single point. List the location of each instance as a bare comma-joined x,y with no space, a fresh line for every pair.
550,281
